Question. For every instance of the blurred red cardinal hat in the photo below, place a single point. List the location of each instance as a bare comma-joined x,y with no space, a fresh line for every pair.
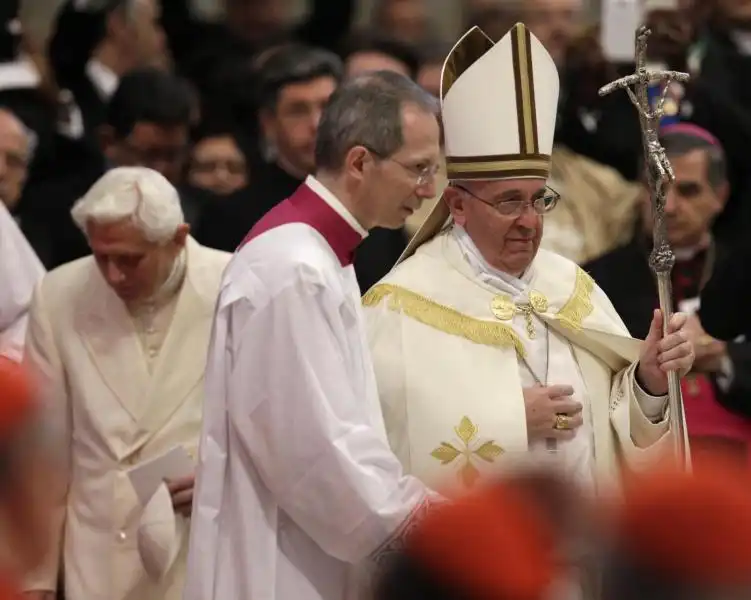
696,527
17,398
495,543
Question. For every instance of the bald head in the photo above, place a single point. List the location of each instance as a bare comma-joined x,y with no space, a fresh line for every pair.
16,148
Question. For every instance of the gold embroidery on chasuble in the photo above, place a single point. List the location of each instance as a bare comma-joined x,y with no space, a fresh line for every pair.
467,451
579,306
443,318
504,309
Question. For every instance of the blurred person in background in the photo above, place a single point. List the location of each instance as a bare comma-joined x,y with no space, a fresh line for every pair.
295,82
515,534
95,43
22,85
312,497
28,470
20,270
431,65
367,51
718,95
216,163
597,211
147,123
476,305
246,28
406,20
680,535
17,145
719,384
117,342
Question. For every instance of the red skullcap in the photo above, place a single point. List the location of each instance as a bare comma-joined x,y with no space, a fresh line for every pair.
494,543
693,526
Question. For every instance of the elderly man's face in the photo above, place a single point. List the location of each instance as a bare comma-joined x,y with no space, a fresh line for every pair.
14,158
692,203
131,265
509,242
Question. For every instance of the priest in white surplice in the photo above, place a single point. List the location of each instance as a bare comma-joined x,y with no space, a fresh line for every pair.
486,347
296,482
20,270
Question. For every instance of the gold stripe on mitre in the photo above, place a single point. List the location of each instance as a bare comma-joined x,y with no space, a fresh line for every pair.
507,166
521,49
472,45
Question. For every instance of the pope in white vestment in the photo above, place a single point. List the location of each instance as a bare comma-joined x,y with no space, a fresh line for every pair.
20,270
477,335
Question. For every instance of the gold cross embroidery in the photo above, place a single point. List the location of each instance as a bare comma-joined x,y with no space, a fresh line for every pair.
504,309
469,448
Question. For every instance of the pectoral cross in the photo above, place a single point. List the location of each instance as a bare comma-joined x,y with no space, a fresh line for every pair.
659,175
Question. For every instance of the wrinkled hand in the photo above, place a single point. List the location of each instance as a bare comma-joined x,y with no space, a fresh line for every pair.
660,355
39,595
543,404
709,351
181,491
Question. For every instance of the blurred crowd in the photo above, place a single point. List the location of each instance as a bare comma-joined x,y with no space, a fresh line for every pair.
228,110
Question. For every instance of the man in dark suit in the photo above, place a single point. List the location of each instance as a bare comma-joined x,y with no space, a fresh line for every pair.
721,380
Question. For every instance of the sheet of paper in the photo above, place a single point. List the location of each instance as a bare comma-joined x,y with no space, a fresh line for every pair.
147,476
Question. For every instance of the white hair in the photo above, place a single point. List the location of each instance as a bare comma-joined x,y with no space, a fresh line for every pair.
136,193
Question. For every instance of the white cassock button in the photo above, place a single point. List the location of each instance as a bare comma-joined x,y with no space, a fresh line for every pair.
153,352
150,330
121,536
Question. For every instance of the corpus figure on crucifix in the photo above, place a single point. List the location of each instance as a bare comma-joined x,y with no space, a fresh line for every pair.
659,174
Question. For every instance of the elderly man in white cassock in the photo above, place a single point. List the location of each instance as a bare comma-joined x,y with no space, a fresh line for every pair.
296,481
486,347
118,343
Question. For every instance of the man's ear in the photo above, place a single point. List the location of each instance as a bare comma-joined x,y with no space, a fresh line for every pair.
456,202
181,235
354,161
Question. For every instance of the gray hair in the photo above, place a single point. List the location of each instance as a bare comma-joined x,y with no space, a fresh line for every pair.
367,111
136,193
681,143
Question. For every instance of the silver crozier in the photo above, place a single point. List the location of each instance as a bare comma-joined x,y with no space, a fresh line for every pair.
659,175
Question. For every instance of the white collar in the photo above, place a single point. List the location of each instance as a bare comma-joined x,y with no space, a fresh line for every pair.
105,80
20,74
335,203
516,286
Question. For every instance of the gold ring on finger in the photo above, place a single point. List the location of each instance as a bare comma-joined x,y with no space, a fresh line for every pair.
562,422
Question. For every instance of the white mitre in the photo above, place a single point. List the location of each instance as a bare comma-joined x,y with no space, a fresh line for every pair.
498,103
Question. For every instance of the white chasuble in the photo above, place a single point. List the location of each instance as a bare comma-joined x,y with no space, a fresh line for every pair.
452,357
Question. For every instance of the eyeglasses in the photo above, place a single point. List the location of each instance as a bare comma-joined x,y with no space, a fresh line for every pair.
542,202
423,174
